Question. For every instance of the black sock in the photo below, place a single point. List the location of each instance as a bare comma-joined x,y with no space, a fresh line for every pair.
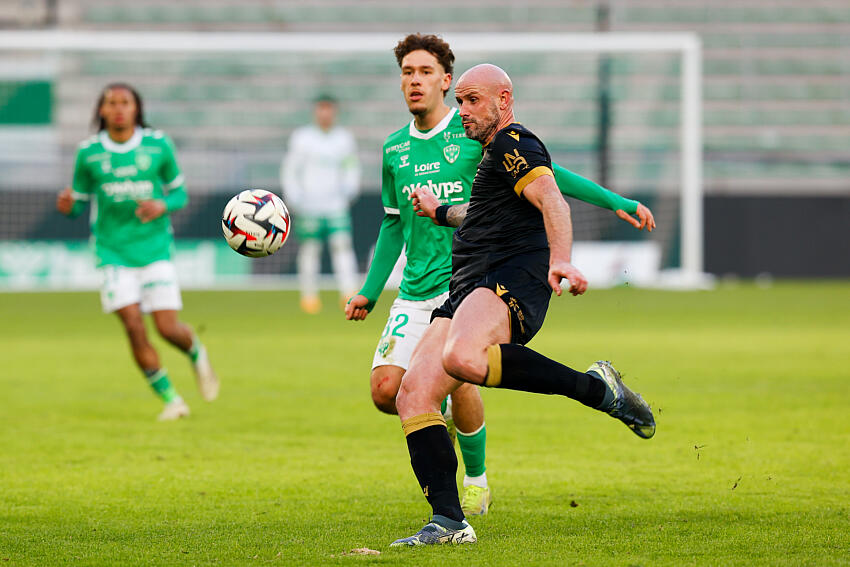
433,458
516,367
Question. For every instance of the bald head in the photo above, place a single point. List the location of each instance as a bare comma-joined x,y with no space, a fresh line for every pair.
486,76
484,94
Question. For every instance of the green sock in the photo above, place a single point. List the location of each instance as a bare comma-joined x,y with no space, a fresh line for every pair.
444,405
472,448
195,349
158,379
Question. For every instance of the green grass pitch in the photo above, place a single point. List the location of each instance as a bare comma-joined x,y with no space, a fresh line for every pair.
293,466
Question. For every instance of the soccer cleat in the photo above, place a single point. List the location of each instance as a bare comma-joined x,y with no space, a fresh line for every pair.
174,410
476,500
435,534
627,406
205,376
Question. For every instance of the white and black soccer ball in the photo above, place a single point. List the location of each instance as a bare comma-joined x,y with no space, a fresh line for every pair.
256,223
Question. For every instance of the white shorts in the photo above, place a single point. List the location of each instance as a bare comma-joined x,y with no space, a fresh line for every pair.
153,286
405,326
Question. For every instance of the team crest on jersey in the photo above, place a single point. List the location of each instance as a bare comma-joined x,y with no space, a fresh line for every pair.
451,152
514,163
143,162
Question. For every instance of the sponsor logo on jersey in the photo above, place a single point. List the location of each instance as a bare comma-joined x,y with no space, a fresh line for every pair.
143,161
451,153
446,192
125,171
450,135
514,135
128,190
404,162
514,163
423,168
404,146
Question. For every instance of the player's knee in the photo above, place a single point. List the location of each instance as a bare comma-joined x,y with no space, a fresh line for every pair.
385,385
384,398
462,364
406,395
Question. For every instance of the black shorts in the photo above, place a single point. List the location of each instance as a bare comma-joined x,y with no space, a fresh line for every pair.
521,282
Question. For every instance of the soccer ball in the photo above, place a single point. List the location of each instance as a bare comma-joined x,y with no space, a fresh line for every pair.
256,223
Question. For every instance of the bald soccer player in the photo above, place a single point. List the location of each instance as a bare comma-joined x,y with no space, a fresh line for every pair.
510,253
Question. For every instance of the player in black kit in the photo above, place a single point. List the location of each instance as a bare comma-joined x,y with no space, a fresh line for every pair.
502,244
510,252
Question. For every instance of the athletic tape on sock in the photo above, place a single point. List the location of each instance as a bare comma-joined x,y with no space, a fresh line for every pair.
494,366
417,422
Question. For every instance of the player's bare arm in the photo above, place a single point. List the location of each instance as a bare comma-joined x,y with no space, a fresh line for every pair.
425,204
543,193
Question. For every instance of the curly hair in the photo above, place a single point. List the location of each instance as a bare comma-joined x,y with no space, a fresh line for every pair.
433,44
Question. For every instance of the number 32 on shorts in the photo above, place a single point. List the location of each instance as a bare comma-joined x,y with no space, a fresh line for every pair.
395,325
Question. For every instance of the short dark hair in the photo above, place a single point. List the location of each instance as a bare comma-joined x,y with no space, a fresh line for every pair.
433,44
326,98
99,123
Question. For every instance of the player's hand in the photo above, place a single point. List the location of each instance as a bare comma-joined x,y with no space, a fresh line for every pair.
150,210
355,309
643,213
558,270
65,201
425,203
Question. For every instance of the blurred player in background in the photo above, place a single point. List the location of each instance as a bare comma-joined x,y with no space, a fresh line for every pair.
433,152
130,176
320,176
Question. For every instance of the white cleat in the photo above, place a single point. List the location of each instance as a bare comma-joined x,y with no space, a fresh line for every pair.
174,410
205,376
435,534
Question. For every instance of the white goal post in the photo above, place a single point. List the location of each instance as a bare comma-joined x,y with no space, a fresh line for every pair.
686,45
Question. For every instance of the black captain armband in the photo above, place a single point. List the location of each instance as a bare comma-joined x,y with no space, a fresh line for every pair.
440,215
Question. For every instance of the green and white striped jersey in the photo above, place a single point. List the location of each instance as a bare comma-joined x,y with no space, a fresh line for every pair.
444,160
115,177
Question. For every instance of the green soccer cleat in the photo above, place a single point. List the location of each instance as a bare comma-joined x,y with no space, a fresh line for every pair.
476,500
627,406
435,534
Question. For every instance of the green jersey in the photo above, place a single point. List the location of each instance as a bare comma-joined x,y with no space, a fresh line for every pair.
115,177
444,160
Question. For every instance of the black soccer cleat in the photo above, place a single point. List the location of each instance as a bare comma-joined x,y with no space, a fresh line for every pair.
627,406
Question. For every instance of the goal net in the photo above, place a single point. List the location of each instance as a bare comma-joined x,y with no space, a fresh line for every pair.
231,100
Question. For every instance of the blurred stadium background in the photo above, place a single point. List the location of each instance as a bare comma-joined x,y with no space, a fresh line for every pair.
775,119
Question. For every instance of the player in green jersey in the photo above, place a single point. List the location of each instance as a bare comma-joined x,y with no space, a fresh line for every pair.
130,176
433,152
